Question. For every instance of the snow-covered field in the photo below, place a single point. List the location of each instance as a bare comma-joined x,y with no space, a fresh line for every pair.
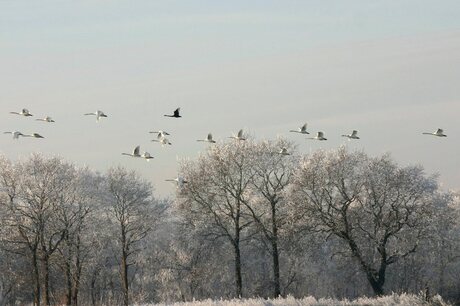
389,300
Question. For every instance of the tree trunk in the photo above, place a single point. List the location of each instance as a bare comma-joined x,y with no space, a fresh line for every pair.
376,280
76,286
236,245
68,275
376,285
36,277
78,268
124,266
124,276
238,279
276,269
93,286
275,255
46,279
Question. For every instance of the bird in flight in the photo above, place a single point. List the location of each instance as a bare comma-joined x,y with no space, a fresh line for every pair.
145,155
163,141
15,134
208,139
180,181
239,136
284,151
301,130
353,135
25,112
35,135
319,136
97,113
135,152
438,132
175,114
160,133
46,119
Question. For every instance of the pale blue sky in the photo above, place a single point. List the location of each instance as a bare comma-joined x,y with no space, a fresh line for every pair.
265,66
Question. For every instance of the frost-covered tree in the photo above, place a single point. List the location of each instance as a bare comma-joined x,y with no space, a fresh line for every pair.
271,175
379,210
79,205
132,207
218,185
329,224
33,188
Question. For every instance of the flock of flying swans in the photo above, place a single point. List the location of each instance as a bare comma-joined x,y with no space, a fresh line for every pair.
161,136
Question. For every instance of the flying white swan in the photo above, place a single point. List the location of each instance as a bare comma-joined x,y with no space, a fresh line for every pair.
163,141
175,114
16,134
25,112
319,136
160,133
180,181
208,139
35,135
353,135
438,132
146,156
301,130
46,119
239,136
284,151
97,113
135,152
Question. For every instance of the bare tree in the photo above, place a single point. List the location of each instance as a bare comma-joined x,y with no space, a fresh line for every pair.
24,222
44,183
131,205
78,204
379,210
218,185
271,174
33,187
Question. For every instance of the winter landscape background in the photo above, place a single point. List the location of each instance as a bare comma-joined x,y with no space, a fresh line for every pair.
270,214
246,221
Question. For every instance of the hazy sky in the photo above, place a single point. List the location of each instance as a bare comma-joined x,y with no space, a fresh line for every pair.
389,69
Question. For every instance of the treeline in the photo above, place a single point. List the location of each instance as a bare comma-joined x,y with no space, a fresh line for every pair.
247,221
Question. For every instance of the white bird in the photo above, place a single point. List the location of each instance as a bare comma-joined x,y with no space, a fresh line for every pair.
319,136
97,113
301,130
239,136
284,151
438,132
208,139
24,112
353,135
146,156
163,141
160,133
135,152
46,119
35,135
180,181
16,134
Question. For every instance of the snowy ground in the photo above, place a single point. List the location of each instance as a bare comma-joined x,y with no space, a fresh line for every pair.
390,300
